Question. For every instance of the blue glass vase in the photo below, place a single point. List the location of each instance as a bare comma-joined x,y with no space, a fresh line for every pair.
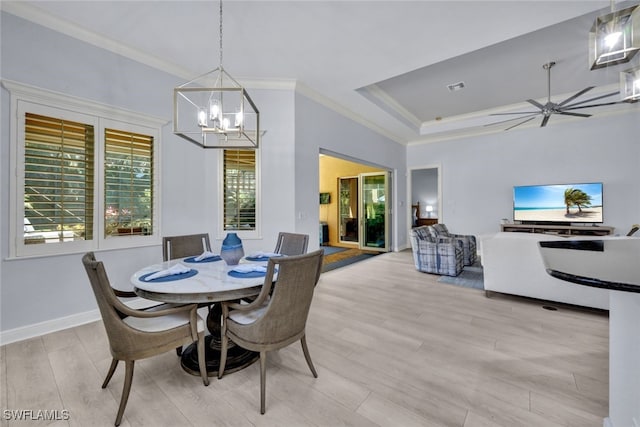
231,251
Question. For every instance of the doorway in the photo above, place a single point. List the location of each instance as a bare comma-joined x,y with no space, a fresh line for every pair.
358,215
425,187
363,210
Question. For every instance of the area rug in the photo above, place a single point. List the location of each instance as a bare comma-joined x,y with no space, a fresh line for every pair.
345,257
329,250
471,277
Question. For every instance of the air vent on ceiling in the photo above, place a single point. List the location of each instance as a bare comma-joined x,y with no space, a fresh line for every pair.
455,86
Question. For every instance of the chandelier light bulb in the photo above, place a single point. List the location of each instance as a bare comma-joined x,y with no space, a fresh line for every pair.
239,118
611,39
225,123
214,109
202,118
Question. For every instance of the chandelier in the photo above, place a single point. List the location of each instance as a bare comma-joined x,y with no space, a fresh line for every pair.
215,111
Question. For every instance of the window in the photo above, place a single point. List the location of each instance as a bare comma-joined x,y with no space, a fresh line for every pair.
239,190
58,180
128,172
84,175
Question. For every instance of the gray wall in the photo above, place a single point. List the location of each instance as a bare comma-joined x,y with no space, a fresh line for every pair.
478,174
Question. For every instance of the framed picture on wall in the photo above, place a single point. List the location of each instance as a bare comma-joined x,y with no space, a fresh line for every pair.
325,198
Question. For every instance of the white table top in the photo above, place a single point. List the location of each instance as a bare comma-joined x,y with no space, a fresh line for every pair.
212,283
607,263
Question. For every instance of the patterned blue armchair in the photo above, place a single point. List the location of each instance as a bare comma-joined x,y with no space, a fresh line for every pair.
468,242
438,255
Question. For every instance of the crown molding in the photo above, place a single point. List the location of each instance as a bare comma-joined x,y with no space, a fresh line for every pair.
382,99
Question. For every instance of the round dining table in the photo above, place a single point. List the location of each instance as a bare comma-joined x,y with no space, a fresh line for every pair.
207,282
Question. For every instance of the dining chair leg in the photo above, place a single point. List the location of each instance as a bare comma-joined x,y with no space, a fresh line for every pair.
112,369
307,356
202,363
223,353
128,379
263,379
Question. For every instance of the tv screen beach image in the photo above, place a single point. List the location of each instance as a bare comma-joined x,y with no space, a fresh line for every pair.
558,203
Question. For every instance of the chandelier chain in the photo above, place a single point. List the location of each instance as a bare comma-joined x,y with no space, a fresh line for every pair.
220,35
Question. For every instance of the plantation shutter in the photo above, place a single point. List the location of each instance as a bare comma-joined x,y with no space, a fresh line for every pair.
239,189
128,183
59,176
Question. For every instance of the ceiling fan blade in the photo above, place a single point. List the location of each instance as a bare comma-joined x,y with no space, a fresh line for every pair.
512,119
592,99
536,103
544,121
571,98
571,107
566,113
515,112
521,123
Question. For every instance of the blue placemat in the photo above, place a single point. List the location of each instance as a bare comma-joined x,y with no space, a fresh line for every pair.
249,275
257,258
210,259
171,278
261,258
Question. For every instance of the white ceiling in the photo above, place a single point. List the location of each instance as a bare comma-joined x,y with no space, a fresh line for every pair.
387,63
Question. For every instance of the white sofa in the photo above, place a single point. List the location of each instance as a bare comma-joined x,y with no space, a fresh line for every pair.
513,265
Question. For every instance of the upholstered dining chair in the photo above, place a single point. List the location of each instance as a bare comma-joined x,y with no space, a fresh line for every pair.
183,246
138,334
291,243
273,322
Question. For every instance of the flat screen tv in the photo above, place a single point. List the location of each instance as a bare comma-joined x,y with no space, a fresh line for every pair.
558,204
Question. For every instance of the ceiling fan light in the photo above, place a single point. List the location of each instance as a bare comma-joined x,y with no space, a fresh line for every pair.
614,38
630,85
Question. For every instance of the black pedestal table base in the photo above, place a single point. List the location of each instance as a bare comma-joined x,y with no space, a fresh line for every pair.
237,357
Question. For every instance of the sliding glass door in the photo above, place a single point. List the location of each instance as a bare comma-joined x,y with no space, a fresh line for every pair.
374,199
348,209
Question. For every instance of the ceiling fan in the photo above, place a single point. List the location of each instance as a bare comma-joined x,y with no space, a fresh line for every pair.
563,108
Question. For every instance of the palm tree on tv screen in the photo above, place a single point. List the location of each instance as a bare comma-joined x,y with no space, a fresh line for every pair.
575,197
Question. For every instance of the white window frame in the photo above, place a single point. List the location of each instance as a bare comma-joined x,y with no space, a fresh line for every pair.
243,234
26,98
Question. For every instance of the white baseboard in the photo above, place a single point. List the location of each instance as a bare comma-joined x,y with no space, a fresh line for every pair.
43,328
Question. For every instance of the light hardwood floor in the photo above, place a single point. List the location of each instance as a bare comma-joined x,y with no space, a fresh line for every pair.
392,346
